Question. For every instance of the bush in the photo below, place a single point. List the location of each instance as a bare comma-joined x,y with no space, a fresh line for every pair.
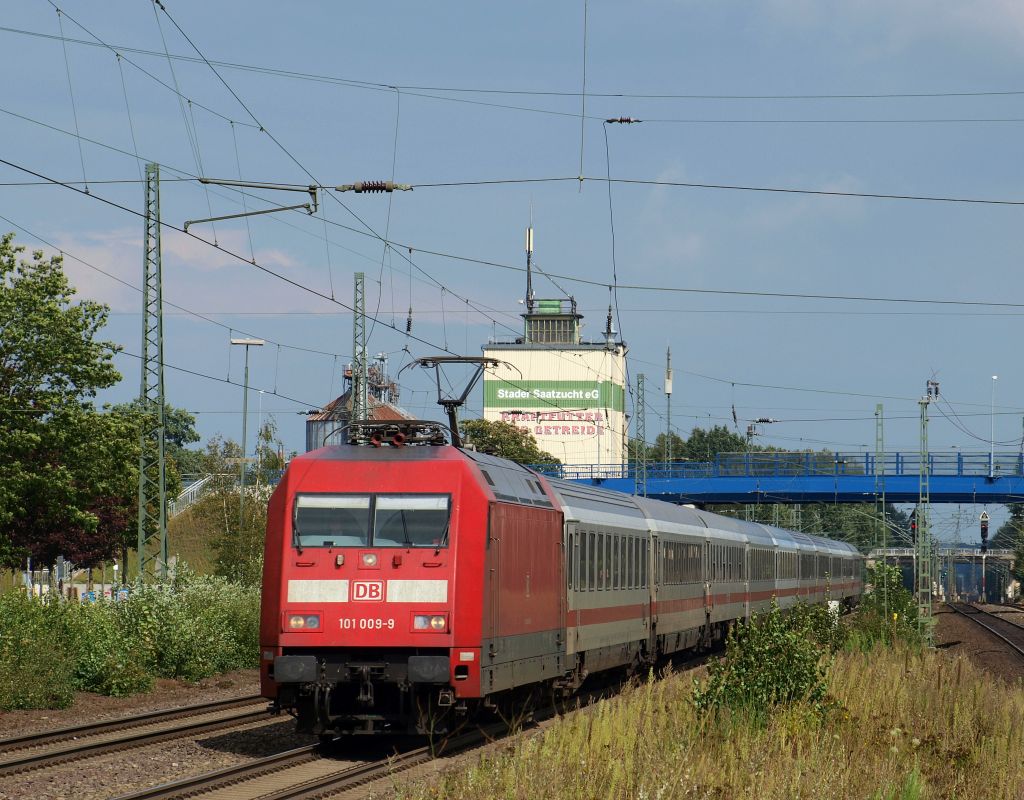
36,654
886,614
770,661
189,629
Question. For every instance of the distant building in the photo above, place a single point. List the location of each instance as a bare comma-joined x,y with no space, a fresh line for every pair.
329,425
569,393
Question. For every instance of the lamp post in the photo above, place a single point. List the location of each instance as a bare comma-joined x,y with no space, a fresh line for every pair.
992,430
246,343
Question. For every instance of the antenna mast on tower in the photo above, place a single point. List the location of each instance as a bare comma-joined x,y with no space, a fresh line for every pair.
668,410
529,265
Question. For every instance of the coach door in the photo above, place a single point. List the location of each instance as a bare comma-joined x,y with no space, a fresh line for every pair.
653,558
709,577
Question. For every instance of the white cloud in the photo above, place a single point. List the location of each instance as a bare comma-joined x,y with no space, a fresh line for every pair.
893,26
195,275
790,210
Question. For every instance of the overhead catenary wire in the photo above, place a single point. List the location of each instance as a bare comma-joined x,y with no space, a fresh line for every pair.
389,85
572,278
597,283
71,93
198,315
292,282
100,43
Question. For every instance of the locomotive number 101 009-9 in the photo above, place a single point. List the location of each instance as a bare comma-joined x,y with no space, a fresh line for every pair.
367,624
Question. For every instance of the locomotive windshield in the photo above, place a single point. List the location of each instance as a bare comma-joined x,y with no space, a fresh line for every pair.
399,520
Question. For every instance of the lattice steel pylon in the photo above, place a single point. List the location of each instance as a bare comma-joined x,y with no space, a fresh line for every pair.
923,550
640,477
360,377
152,511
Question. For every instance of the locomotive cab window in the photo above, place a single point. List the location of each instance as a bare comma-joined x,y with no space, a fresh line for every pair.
410,520
344,520
332,520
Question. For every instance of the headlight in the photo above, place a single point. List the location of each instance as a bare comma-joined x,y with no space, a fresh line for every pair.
368,559
302,622
430,622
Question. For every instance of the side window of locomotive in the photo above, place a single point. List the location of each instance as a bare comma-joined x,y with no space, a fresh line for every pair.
409,520
331,520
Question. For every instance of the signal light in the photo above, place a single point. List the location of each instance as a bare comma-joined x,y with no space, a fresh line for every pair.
913,525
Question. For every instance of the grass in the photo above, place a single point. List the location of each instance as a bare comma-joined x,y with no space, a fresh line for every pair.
905,725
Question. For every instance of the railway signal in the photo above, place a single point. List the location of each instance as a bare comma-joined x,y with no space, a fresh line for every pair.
984,531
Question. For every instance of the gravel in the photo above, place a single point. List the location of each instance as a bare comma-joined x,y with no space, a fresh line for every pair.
90,708
960,636
115,774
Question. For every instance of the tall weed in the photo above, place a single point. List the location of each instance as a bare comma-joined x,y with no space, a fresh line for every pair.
189,629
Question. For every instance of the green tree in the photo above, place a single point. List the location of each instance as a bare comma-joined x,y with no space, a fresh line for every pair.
704,445
179,432
1011,536
505,440
62,478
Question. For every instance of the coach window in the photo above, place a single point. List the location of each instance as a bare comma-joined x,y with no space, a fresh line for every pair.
592,563
331,520
607,583
600,561
607,560
623,564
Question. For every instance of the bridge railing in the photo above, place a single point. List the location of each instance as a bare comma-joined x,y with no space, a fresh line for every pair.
802,464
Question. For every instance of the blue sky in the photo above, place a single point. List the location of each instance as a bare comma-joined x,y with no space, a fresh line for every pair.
838,358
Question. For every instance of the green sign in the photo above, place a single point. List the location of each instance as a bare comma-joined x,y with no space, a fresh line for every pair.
553,395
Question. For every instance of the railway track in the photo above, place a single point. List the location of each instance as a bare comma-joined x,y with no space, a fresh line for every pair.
47,748
314,772
306,773
1010,633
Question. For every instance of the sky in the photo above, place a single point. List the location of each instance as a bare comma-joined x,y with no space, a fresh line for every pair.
923,98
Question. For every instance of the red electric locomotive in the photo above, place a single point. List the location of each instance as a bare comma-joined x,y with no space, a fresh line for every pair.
405,583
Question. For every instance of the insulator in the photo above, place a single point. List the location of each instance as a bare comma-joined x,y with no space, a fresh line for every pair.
374,186
408,321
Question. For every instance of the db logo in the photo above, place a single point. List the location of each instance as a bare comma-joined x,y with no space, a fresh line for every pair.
368,590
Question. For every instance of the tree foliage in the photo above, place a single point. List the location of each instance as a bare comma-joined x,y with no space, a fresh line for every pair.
701,445
505,440
64,476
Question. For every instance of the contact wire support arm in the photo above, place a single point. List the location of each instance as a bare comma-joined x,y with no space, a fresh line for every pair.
310,207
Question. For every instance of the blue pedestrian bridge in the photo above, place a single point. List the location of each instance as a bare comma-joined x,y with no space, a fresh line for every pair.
813,477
